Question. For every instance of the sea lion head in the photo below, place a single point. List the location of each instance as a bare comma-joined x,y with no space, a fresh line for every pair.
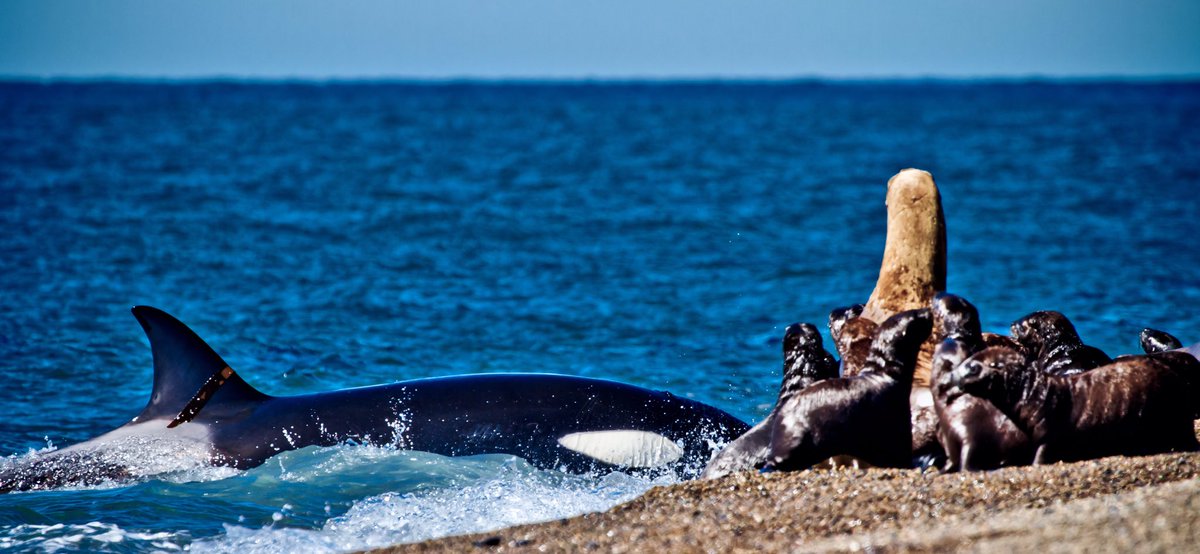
898,341
805,360
1039,330
839,317
991,373
854,344
798,338
1154,341
949,355
954,317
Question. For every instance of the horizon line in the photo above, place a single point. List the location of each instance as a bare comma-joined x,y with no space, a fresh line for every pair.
601,80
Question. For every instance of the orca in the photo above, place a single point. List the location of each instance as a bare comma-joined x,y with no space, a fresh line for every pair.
205,412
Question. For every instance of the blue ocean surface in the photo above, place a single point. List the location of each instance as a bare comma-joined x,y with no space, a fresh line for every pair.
322,236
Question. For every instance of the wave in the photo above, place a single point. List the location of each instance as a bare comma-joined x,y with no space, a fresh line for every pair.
333,499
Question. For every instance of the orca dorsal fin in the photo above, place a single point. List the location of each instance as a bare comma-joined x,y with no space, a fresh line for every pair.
184,371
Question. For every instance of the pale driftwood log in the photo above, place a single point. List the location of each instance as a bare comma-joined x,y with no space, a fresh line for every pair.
914,256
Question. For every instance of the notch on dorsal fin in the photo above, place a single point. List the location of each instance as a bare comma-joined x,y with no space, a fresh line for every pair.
188,374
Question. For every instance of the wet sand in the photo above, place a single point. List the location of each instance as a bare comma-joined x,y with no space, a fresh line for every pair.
1111,504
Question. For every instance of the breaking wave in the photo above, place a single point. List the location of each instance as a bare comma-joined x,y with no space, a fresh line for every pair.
331,499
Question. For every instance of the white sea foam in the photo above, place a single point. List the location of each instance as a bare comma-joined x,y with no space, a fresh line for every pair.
117,462
93,536
514,494
332,499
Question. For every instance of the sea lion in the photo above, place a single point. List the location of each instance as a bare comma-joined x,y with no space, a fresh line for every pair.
974,434
839,317
1154,341
1049,340
805,361
914,255
852,337
1134,406
860,416
956,318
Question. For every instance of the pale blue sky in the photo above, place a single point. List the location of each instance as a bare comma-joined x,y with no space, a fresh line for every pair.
594,39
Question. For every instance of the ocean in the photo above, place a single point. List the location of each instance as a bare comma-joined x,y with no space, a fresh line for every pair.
330,235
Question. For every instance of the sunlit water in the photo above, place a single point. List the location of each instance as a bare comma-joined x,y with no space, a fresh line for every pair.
322,237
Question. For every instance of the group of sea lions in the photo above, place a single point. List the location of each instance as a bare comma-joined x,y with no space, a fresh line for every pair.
919,383
1043,396
1038,395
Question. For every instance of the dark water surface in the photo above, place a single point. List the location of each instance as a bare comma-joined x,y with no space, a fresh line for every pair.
326,236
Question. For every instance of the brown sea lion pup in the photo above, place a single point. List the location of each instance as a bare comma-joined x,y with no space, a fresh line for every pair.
852,336
1154,341
805,362
1049,340
914,255
1134,406
862,416
839,317
974,434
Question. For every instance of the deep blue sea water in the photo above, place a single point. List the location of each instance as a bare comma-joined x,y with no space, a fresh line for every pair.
662,234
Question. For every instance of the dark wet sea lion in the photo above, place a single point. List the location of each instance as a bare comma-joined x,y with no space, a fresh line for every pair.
1048,339
953,318
1154,341
1133,406
956,318
974,434
865,416
1190,368
805,362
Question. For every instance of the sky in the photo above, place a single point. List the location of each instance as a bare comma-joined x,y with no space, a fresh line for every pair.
611,39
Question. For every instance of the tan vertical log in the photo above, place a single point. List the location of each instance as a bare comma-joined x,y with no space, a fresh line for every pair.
914,256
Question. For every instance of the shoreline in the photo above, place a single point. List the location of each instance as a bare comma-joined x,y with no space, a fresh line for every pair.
1145,501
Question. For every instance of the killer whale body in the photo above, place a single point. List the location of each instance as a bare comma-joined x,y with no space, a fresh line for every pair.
554,421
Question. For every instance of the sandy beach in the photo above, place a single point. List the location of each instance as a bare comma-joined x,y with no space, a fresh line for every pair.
1116,504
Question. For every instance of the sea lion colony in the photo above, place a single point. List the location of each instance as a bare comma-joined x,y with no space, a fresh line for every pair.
1037,396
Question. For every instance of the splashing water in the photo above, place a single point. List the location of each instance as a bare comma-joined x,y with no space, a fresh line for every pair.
513,495
313,500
